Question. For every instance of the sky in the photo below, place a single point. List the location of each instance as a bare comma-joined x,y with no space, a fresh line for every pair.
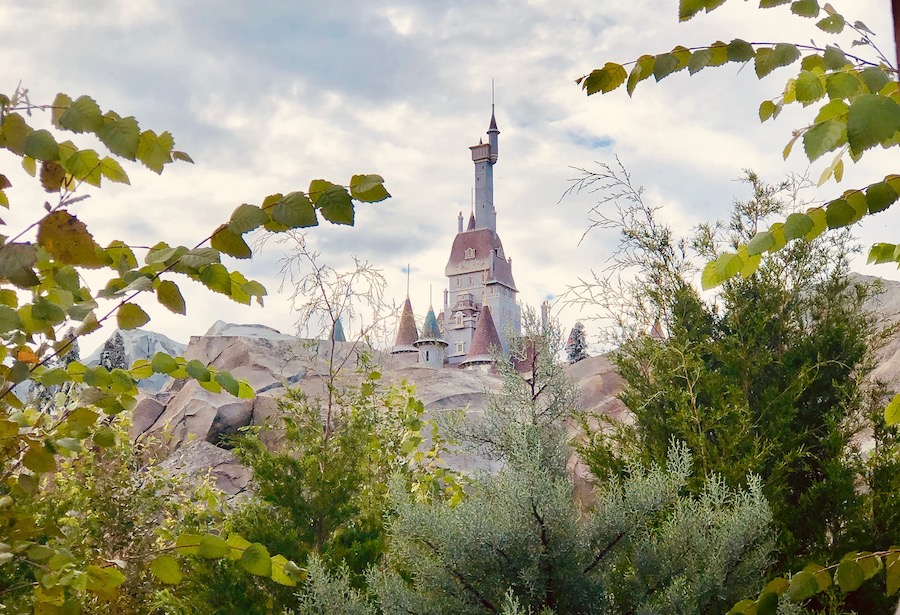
266,96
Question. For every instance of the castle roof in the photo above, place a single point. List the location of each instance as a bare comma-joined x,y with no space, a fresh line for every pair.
483,340
471,225
431,333
486,249
337,333
407,333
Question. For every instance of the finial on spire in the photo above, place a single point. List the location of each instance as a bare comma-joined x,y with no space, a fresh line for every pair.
407,280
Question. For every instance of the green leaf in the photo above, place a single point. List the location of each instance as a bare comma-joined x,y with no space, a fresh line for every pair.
871,120
84,165
58,107
279,574
104,437
39,460
16,264
294,211
768,59
808,87
212,547
103,581
767,109
814,63
9,319
163,363
141,369
237,545
740,51
892,411
188,544
842,85
723,268
41,145
228,382
166,569
664,65
893,572
370,188
805,8
823,137
215,277
229,243
643,69
198,371
246,391
797,225
246,218
256,560
834,58
121,137
767,4
200,257
604,80
874,78
839,213
803,586
880,196
155,151
170,296
762,241
176,155
14,132
849,576
113,171
336,205
833,109
131,316
820,574
83,115
700,59
833,24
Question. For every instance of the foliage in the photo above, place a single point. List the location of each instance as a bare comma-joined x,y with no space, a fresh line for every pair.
112,355
769,379
520,543
576,345
42,293
641,549
108,505
322,496
862,110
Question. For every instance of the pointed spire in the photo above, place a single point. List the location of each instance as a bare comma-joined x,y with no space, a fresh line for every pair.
337,333
483,340
430,330
471,226
407,333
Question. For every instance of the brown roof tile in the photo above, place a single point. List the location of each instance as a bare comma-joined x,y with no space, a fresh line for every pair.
484,339
483,241
407,333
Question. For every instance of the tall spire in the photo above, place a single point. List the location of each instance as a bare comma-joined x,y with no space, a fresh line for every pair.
484,155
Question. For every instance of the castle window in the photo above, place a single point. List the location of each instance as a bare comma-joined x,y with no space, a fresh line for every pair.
460,347
470,253
426,355
457,281
470,279
459,319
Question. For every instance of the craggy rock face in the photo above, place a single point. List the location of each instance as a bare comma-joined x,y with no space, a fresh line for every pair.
183,414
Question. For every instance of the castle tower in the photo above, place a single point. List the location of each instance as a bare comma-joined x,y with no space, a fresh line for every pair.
404,346
479,272
431,343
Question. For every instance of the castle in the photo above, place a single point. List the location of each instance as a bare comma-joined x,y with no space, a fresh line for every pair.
480,308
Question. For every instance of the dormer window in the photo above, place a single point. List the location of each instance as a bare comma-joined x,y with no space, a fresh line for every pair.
470,253
460,347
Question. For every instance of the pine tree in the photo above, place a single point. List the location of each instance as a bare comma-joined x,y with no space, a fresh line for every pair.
576,346
520,542
113,354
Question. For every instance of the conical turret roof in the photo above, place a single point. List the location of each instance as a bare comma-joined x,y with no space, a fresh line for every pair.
407,333
431,332
483,340
337,334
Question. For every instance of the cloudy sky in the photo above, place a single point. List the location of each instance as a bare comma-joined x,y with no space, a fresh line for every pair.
268,95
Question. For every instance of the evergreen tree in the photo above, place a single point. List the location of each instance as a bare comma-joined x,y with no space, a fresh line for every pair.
576,346
113,354
520,543
767,380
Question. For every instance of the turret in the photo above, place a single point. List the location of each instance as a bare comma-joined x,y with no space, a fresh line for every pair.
431,343
492,136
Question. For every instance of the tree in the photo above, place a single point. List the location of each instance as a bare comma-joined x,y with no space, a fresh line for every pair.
520,543
112,356
576,345
42,293
769,379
